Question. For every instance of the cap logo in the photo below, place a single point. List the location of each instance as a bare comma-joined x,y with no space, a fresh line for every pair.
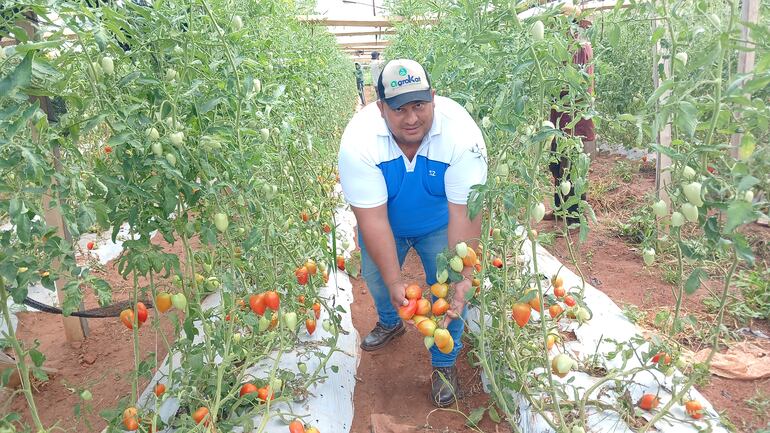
402,71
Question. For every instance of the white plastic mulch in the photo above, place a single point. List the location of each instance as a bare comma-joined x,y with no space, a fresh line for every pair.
608,323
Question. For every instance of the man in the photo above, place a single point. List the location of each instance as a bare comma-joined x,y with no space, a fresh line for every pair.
360,83
375,67
583,59
407,164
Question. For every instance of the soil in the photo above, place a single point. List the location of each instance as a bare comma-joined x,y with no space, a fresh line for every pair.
395,381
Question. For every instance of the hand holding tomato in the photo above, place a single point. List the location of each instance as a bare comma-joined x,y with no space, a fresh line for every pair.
398,294
462,289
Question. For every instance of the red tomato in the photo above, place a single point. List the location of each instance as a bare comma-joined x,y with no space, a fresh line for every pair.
305,217
108,149
559,291
570,301
141,312
327,228
296,426
317,310
159,389
310,325
201,414
90,245
554,310
413,291
520,313
302,275
272,300
649,402
407,311
257,303
127,318
496,262
341,263
264,393
440,307
248,388
694,408
659,355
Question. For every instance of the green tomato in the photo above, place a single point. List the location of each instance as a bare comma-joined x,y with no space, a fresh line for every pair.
302,367
462,250
693,192
682,58
171,74
152,134
537,213
236,23
486,122
264,133
263,324
171,159
660,208
565,187
327,325
108,66
157,149
688,172
179,301
257,85
86,395
537,30
690,212
177,138
648,254
290,320
456,263
442,276
221,222
677,219
429,342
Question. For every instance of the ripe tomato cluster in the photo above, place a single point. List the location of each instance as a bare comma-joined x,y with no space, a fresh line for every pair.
297,426
418,310
522,311
127,316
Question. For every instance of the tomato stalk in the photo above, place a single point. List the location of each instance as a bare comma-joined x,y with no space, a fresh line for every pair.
21,355
679,294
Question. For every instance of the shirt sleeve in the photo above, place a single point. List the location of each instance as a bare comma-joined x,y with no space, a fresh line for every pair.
468,170
362,181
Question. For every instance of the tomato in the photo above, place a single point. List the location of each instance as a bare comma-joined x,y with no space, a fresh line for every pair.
327,228
536,31
296,426
442,338
310,325
559,291
554,310
648,402
290,320
413,291
221,222
311,266
570,301
456,264
440,307
163,302
127,318
470,258
257,303
557,281
159,389
537,212
248,388
304,216
141,312
407,311
107,149
694,408
90,245
562,364
496,262
131,419
439,290
312,430
550,341
201,414
657,358
302,275
427,327
520,313
341,263
179,301
423,307
317,310
264,393
535,303
272,300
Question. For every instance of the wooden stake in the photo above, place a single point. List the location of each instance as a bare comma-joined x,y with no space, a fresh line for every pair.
75,328
663,161
749,14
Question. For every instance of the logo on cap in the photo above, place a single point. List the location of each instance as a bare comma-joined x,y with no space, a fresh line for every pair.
402,71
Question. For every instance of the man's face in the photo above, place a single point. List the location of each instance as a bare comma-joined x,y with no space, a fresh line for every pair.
410,122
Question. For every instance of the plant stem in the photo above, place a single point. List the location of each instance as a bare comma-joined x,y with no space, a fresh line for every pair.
21,364
680,285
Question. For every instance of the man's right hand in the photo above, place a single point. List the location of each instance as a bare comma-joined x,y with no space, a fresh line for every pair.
398,294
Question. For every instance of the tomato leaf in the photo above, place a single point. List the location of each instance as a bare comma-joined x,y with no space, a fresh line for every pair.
493,415
738,213
687,118
474,418
694,280
743,249
19,77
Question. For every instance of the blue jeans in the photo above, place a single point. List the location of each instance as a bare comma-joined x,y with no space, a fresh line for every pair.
427,247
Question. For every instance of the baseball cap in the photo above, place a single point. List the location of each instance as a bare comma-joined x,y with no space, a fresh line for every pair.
403,81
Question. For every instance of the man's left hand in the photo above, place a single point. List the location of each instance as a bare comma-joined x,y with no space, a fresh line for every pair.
458,301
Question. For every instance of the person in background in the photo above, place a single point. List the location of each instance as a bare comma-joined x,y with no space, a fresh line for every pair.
583,59
375,66
407,165
360,83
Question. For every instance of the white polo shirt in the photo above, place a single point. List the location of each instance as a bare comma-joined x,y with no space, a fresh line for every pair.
374,171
